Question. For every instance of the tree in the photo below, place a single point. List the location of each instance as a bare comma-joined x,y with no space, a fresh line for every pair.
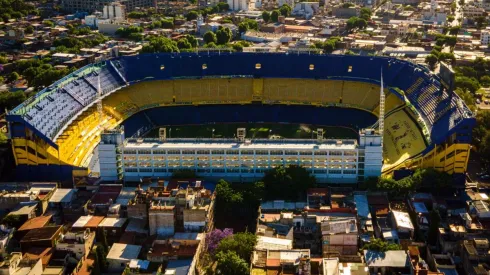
237,206
214,237
48,23
223,35
192,40
211,45
225,195
467,83
239,45
131,32
101,258
242,244
192,15
242,27
288,183
230,263
328,46
356,22
481,129
484,148
365,14
209,37
454,30
467,97
248,24
13,77
160,45
285,10
13,221
135,36
167,24
266,16
183,43
136,14
484,80
451,41
223,6
381,246
29,29
431,60
431,178
480,21
447,57
10,100
408,8
435,220
275,16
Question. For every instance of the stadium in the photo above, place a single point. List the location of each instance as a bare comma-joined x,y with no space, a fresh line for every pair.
54,134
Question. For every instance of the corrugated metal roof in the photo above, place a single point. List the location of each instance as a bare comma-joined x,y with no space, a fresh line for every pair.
64,195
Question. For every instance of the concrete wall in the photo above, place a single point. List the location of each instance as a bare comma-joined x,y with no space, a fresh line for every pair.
162,223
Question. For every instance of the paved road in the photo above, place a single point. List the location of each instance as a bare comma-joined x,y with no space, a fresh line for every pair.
458,14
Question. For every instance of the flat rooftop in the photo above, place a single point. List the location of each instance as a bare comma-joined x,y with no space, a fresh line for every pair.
289,144
43,233
88,221
34,223
113,222
63,195
124,252
24,209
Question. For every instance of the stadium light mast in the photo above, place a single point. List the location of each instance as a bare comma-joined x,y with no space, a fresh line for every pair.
381,110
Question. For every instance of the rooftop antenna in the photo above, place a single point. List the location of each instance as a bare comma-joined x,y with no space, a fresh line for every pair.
381,110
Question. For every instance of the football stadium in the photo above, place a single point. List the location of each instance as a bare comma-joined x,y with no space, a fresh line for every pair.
55,133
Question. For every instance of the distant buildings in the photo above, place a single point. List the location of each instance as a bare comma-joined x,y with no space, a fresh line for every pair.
485,37
97,5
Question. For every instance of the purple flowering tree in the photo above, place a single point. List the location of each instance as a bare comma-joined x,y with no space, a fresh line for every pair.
214,237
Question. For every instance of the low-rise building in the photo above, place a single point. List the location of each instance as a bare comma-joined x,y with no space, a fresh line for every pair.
79,243
113,228
402,224
31,224
41,237
286,260
389,262
120,255
87,222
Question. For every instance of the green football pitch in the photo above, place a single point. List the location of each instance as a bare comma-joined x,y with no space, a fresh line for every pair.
256,130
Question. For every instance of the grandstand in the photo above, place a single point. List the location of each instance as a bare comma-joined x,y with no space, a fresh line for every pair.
54,133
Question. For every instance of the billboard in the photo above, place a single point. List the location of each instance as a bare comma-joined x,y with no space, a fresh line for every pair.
446,73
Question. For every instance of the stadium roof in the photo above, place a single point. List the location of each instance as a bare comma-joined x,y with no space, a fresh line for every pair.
253,145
